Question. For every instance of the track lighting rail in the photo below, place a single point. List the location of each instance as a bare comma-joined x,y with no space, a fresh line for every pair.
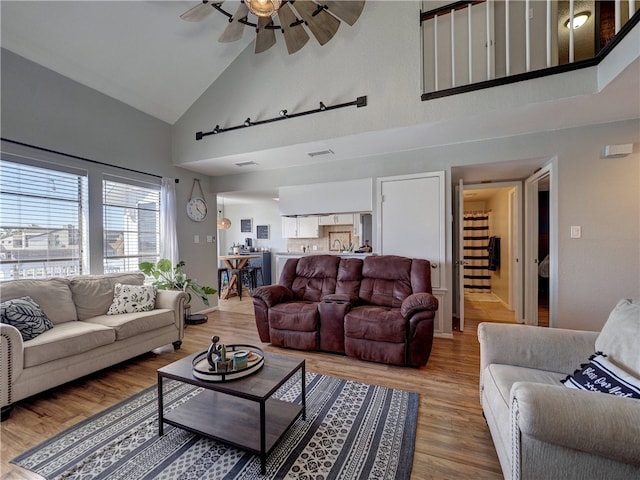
284,115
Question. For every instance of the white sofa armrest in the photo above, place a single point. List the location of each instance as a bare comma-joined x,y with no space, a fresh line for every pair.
590,422
542,348
11,360
173,300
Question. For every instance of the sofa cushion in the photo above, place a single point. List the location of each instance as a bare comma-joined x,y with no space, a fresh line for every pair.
601,375
504,376
315,276
132,298
380,324
386,280
93,294
619,336
53,296
128,325
297,316
26,315
65,340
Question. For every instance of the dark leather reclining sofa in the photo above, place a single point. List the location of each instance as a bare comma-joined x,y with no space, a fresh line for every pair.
379,309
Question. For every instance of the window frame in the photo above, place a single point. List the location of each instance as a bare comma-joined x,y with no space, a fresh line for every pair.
95,172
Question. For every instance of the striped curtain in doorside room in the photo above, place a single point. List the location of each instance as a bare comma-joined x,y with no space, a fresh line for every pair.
476,239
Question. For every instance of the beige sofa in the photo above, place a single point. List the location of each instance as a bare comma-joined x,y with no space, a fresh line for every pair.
84,338
542,429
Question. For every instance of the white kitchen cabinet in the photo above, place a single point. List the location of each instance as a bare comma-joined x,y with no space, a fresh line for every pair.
300,227
338,219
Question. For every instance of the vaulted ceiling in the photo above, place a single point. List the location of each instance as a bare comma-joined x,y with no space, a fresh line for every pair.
138,52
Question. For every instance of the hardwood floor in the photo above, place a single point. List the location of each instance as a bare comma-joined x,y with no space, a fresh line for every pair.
452,438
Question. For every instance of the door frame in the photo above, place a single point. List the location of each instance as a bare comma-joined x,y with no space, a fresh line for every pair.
531,245
515,241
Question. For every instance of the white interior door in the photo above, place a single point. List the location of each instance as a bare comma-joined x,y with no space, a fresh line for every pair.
460,262
531,244
411,212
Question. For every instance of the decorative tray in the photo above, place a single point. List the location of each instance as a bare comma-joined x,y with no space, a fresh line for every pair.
222,371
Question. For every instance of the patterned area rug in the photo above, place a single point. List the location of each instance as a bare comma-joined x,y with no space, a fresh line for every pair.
353,431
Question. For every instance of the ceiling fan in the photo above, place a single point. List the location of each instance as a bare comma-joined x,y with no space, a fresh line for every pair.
321,18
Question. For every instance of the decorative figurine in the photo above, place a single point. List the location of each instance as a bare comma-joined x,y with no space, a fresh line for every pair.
216,352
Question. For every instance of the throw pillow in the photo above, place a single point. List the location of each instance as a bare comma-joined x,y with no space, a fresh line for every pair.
132,298
26,315
600,375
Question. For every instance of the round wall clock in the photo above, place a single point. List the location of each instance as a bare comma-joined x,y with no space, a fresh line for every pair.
196,206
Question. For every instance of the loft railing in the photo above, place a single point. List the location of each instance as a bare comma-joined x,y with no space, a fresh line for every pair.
469,45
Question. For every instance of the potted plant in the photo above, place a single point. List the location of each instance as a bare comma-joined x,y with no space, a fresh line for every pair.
168,277
235,248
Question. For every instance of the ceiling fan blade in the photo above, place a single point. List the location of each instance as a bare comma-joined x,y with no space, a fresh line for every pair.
323,25
266,37
346,11
295,37
234,30
198,12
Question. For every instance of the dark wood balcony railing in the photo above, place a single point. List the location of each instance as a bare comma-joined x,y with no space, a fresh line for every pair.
469,45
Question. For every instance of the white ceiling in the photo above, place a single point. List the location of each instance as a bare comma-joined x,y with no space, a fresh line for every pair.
123,48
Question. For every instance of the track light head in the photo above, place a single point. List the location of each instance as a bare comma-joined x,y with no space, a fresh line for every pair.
247,122
323,107
217,129
283,113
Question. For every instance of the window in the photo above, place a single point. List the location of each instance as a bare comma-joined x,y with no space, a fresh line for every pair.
42,220
131,223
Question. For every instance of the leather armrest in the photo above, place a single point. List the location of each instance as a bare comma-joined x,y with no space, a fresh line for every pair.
272,294
418,302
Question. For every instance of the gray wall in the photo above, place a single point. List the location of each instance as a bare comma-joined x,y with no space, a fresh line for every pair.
44,109
602,196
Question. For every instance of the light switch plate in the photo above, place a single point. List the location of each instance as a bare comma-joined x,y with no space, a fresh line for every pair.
196,239
576,231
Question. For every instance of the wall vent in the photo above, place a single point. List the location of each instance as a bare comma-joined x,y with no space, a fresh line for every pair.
321,152
246,164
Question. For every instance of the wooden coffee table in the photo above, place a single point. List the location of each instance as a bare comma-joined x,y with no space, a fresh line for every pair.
233,411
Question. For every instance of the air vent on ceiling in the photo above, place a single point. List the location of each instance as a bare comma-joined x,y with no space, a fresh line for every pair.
321,152
246,164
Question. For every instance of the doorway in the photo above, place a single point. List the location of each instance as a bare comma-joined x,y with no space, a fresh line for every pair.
489,247
539,238
528,213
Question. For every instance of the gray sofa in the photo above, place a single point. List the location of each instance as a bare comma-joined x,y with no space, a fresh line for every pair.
84,338
542,429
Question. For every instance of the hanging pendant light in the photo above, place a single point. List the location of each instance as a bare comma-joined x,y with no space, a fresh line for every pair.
263,8
223,222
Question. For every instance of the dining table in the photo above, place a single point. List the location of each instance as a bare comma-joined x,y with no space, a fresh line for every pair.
235,263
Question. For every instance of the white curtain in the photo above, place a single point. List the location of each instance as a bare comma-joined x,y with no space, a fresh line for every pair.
168,231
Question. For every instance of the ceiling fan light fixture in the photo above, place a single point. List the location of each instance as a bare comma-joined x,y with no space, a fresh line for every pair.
263,8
